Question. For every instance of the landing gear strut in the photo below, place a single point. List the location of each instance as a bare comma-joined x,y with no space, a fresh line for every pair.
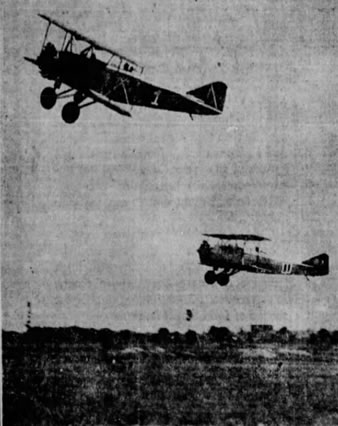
79,97
48,98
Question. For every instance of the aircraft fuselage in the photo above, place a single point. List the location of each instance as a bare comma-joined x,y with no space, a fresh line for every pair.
85,73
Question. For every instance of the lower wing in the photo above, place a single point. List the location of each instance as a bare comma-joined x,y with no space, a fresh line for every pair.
107,102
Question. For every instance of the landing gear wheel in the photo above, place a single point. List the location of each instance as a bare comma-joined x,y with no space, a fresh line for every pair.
48,98
70,112
210,277
223,280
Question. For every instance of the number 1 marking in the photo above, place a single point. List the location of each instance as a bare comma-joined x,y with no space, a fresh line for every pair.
157,95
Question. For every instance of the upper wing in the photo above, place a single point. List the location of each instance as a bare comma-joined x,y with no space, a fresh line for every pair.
244,237
95,44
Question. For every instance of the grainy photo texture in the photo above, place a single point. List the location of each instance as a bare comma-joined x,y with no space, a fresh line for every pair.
169,212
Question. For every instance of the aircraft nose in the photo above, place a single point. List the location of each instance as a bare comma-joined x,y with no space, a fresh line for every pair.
203,247
204,251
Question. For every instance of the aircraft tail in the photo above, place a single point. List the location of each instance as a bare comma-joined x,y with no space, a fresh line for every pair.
212,94
320,263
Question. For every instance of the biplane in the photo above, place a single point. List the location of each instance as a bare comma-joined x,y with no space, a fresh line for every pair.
232,258
117,80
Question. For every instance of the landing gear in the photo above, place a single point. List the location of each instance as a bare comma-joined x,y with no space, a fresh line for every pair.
222,279
210,277
79,97
70,112
48,98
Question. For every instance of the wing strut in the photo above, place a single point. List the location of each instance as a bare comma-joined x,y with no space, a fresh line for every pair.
46,34
121,83
213,95
64,41
125,93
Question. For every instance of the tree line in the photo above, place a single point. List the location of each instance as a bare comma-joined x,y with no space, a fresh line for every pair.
215,335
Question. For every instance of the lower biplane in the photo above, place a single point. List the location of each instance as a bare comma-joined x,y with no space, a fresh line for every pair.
231,258
116,80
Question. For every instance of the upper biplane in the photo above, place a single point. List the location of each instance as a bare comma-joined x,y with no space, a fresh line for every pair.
232,258
117,79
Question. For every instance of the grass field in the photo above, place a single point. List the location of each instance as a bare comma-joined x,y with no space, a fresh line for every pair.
53,383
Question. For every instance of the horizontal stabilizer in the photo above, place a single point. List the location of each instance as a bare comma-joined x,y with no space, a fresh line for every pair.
212,94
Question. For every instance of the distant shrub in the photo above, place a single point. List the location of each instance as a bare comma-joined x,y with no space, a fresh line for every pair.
107,338
334,337
124,336
312,339
191,337
177,338
284,336
163,336
219,334
324,337
324,334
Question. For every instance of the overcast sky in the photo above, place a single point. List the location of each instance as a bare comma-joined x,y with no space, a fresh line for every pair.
102,218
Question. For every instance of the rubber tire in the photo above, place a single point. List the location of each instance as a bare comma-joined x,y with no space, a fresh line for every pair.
70,112
222,280
48,98
210,277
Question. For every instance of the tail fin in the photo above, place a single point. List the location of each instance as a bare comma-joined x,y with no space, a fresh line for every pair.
212,94
320,263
